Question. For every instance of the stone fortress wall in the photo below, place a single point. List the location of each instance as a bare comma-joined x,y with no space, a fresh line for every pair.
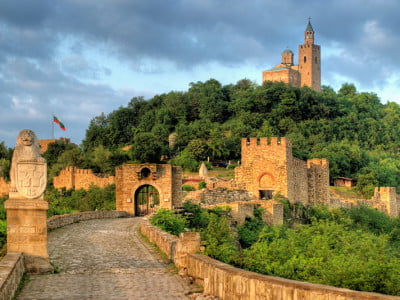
73,177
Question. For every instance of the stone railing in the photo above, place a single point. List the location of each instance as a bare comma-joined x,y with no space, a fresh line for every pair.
62,220
176,248
227,282
11,271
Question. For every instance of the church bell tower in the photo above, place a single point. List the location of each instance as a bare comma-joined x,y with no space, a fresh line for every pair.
310,60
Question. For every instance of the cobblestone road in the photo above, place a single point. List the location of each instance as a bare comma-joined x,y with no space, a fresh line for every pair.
104,259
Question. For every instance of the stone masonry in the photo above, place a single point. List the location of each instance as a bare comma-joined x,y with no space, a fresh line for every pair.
75,178
268,167
105,259
166,179
386,199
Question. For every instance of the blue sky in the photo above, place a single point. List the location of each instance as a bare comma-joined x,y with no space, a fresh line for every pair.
78,59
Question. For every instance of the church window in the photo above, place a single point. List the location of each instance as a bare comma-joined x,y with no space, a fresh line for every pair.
305,59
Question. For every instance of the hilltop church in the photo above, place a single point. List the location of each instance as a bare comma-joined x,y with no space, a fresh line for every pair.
307,72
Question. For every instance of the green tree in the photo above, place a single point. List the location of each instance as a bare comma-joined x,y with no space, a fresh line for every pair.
197,149
96,134
73,157
146,148
54,150
220,242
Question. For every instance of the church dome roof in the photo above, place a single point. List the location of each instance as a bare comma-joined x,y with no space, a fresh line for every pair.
287,51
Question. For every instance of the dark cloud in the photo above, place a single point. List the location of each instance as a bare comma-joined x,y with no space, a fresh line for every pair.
359,38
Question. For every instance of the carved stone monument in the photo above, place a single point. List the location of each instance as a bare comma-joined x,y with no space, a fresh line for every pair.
203,172
26,208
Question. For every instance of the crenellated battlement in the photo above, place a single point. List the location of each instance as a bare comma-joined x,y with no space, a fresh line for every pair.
73,177
385,190
298,180
265,142
318,162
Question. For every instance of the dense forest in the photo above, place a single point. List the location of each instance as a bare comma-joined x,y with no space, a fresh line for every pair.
357,133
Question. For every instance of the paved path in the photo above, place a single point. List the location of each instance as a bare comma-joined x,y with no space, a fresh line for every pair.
104,259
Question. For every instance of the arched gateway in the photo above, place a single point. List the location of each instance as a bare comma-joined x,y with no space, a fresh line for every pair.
143,188
147,200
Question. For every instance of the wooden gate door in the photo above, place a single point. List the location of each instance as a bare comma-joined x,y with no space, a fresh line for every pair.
147,200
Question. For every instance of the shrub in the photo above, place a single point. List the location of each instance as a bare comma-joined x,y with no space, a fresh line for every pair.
3,232
221,211
370,219
248,232
2,209
168,221
202,185
187,188
67,201
220,242
101,198
197,217
186,162
327,253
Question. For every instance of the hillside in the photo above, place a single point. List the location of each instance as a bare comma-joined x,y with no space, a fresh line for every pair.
357,133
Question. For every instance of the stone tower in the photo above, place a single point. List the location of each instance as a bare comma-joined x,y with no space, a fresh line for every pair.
268,168
310,60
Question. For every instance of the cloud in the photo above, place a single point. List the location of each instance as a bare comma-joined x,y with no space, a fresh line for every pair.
80,58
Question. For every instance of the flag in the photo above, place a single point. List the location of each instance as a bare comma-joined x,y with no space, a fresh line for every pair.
56,120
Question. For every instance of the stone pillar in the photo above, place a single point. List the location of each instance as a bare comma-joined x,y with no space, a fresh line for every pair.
189,242
26,208
277,209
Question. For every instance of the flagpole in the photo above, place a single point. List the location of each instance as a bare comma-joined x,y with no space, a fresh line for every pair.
52,127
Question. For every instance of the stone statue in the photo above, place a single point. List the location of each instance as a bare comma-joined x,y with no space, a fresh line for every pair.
26,208
28,168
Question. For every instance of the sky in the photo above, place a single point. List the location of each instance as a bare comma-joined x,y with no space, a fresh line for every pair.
77,59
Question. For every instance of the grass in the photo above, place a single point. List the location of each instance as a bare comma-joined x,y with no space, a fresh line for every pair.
22,283
346,193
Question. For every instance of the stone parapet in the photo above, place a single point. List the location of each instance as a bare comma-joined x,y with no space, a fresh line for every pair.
63,220
176,248
227,282
221,195
165,241
11,271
